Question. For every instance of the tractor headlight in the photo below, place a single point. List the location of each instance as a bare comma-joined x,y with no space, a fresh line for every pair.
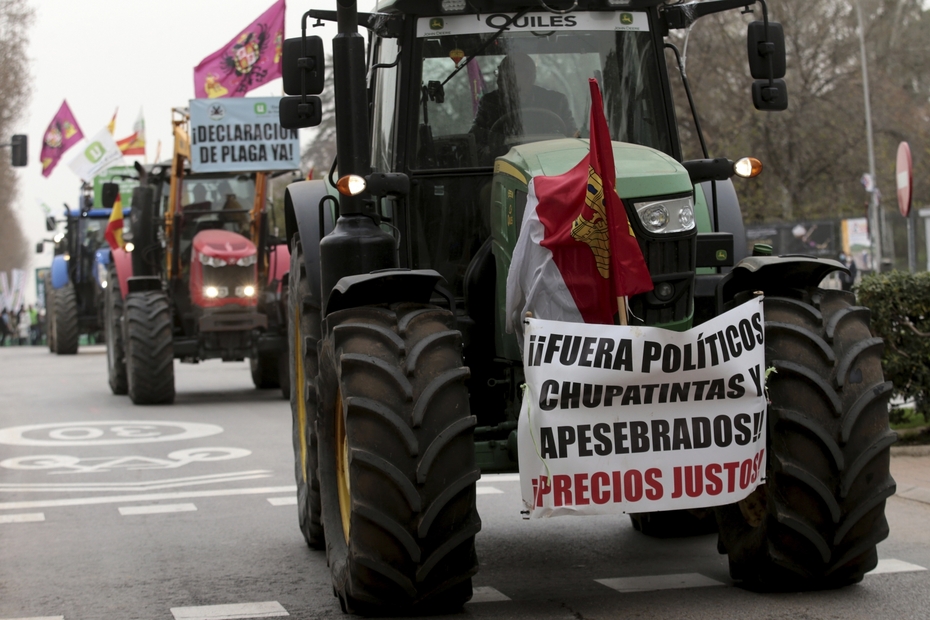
246,261
666,216
212,261
245,291
215,292
102,275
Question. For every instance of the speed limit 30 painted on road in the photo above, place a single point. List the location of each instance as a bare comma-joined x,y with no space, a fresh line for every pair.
103,433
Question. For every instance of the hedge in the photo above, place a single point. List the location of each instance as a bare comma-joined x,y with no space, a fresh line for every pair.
900,305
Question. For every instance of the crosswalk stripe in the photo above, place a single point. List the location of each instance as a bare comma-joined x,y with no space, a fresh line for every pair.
487,594
152,509
267,609
487,491
891,565
23,518
283,501
649,583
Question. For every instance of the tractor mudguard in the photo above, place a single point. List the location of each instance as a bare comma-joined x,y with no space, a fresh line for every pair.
59,271
302,214
385,286
766,272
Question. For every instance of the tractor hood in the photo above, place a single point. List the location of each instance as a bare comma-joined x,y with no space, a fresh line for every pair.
641,171
224,270
223,244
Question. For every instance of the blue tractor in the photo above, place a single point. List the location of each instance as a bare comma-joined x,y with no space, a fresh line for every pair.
77,279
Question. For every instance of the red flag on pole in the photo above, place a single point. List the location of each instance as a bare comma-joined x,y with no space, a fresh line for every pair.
577,254
251,59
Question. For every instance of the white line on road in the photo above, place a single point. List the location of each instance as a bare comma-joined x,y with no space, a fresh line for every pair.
500,477
148,497
486,491
37,618
156,509
283,501
269,609
894,566
486,594
23,518
135,486
650,583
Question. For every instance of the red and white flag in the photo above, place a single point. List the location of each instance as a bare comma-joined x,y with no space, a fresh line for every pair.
576,253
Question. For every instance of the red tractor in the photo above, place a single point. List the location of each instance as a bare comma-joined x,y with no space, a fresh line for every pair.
201,279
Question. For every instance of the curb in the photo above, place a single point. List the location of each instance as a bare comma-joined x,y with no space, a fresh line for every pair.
910,450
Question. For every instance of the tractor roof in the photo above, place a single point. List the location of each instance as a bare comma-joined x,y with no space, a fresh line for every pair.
434,7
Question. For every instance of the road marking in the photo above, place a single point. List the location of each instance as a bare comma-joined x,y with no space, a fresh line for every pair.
501,477
23,518
486,491
37,618
894,566
149,497
152,509
66,464
269,609
153,485
283,501
104,433
487,594
650,583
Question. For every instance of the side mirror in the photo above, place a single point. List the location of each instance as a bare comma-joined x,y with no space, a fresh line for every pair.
303,66
767,57
294,113
770,95
40,247
20,148
108,195
50,224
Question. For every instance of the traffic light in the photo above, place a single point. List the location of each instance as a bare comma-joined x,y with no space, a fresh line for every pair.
20,147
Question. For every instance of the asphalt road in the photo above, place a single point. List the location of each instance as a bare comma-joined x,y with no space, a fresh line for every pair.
110,511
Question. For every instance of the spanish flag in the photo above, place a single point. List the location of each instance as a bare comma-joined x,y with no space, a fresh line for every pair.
576,253
114,231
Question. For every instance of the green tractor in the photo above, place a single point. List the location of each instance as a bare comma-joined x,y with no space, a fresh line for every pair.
405,384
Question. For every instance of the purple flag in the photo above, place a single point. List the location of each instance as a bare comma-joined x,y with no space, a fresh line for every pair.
475,84
251,59
61,134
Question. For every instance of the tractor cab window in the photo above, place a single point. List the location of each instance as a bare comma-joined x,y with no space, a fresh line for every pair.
530,83
214,202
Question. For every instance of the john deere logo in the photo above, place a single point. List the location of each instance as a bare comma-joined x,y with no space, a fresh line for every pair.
626,19
436,23
721,255
94,152
261,108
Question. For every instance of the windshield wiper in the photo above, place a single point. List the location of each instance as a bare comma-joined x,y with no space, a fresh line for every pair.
487,43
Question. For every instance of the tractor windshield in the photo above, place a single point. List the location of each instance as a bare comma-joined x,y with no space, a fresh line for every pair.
530,83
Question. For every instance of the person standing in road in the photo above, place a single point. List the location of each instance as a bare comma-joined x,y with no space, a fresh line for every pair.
33,325
6,328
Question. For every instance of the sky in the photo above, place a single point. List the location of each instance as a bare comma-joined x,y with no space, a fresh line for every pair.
101,55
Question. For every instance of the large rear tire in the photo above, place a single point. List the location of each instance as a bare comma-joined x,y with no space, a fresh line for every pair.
816,521
149,348
303,321
65,321
113,325
397,460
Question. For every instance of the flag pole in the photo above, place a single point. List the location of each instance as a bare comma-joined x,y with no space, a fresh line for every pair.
621,310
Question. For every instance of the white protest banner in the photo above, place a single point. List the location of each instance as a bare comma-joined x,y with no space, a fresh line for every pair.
241,134
640,419
100,153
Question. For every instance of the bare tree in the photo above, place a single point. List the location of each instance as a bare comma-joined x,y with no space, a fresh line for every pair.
15,18
321,151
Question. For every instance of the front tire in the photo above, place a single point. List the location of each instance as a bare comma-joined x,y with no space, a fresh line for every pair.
303,329
65,321
816,521
149,348
112,321
397,460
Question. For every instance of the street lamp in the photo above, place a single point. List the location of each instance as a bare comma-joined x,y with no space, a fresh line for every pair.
875,237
